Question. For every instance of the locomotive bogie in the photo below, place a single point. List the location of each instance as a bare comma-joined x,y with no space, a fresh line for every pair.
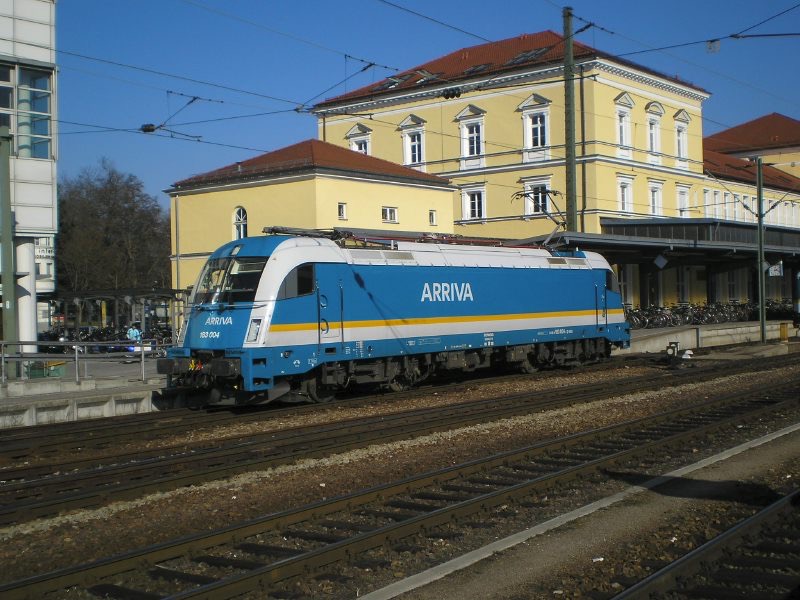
302,314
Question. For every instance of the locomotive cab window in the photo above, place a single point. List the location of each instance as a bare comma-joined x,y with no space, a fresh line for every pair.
299,282
229,279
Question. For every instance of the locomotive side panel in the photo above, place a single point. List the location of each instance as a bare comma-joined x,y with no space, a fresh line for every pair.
383,311
277,313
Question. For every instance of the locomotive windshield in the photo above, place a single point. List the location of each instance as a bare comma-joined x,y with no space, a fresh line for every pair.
229,279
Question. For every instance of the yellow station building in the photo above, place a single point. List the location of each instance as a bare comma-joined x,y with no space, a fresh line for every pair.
491,119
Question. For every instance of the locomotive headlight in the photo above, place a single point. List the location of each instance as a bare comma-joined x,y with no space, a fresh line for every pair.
253,330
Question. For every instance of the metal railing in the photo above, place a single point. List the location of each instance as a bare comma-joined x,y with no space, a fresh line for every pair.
17,362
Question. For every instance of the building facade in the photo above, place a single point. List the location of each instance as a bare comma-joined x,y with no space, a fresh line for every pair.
309,185
28,109
491,118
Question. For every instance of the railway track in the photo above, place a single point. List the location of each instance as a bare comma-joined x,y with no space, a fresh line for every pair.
35,492
362,531
49,443
758,559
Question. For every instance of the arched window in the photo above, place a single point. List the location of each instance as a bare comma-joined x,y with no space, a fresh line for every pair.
239,223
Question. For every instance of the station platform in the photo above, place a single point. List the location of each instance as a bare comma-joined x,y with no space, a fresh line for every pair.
119,389
703,337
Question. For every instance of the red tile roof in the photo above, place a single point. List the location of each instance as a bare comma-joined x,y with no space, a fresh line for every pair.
310,156
763,133
737,169
494,58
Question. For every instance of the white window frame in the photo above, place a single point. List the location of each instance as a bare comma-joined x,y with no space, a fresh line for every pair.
389,214
467,203
469,118
359,139
623,125
414,143
30,110
341,210
654,139
239,223
433,219
360,145
654,113
655,202
471,157
540,149
682,120
412,128
531,208
681,149
707,203
682,200
625,193
716,204
726,206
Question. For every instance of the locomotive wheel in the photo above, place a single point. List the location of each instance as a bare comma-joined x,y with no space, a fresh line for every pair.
316,391
526,366
408,379
399,384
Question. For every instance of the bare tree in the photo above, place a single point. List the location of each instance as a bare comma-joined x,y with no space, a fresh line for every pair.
112,234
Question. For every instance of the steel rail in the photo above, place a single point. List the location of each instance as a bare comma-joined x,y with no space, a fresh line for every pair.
112,435
681,575
608,445
47,497
157,470
22,443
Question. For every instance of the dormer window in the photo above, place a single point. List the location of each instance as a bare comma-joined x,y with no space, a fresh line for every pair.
527,56
426,76
474,69
390,83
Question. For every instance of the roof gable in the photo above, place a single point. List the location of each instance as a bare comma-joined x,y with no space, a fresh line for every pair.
738,169
770,131
305,157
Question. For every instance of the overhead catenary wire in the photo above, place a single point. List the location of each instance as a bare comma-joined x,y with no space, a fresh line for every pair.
176,76
290,36
437,21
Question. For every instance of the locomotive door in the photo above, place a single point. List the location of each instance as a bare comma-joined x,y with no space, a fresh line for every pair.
330,307
601,306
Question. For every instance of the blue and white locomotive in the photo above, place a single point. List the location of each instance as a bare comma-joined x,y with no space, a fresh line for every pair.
303,315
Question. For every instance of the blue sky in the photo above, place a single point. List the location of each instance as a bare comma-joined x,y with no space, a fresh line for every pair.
241,58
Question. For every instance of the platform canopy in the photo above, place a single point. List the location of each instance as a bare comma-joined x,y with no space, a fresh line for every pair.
685,242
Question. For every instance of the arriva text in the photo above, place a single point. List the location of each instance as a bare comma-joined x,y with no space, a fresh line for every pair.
446,292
